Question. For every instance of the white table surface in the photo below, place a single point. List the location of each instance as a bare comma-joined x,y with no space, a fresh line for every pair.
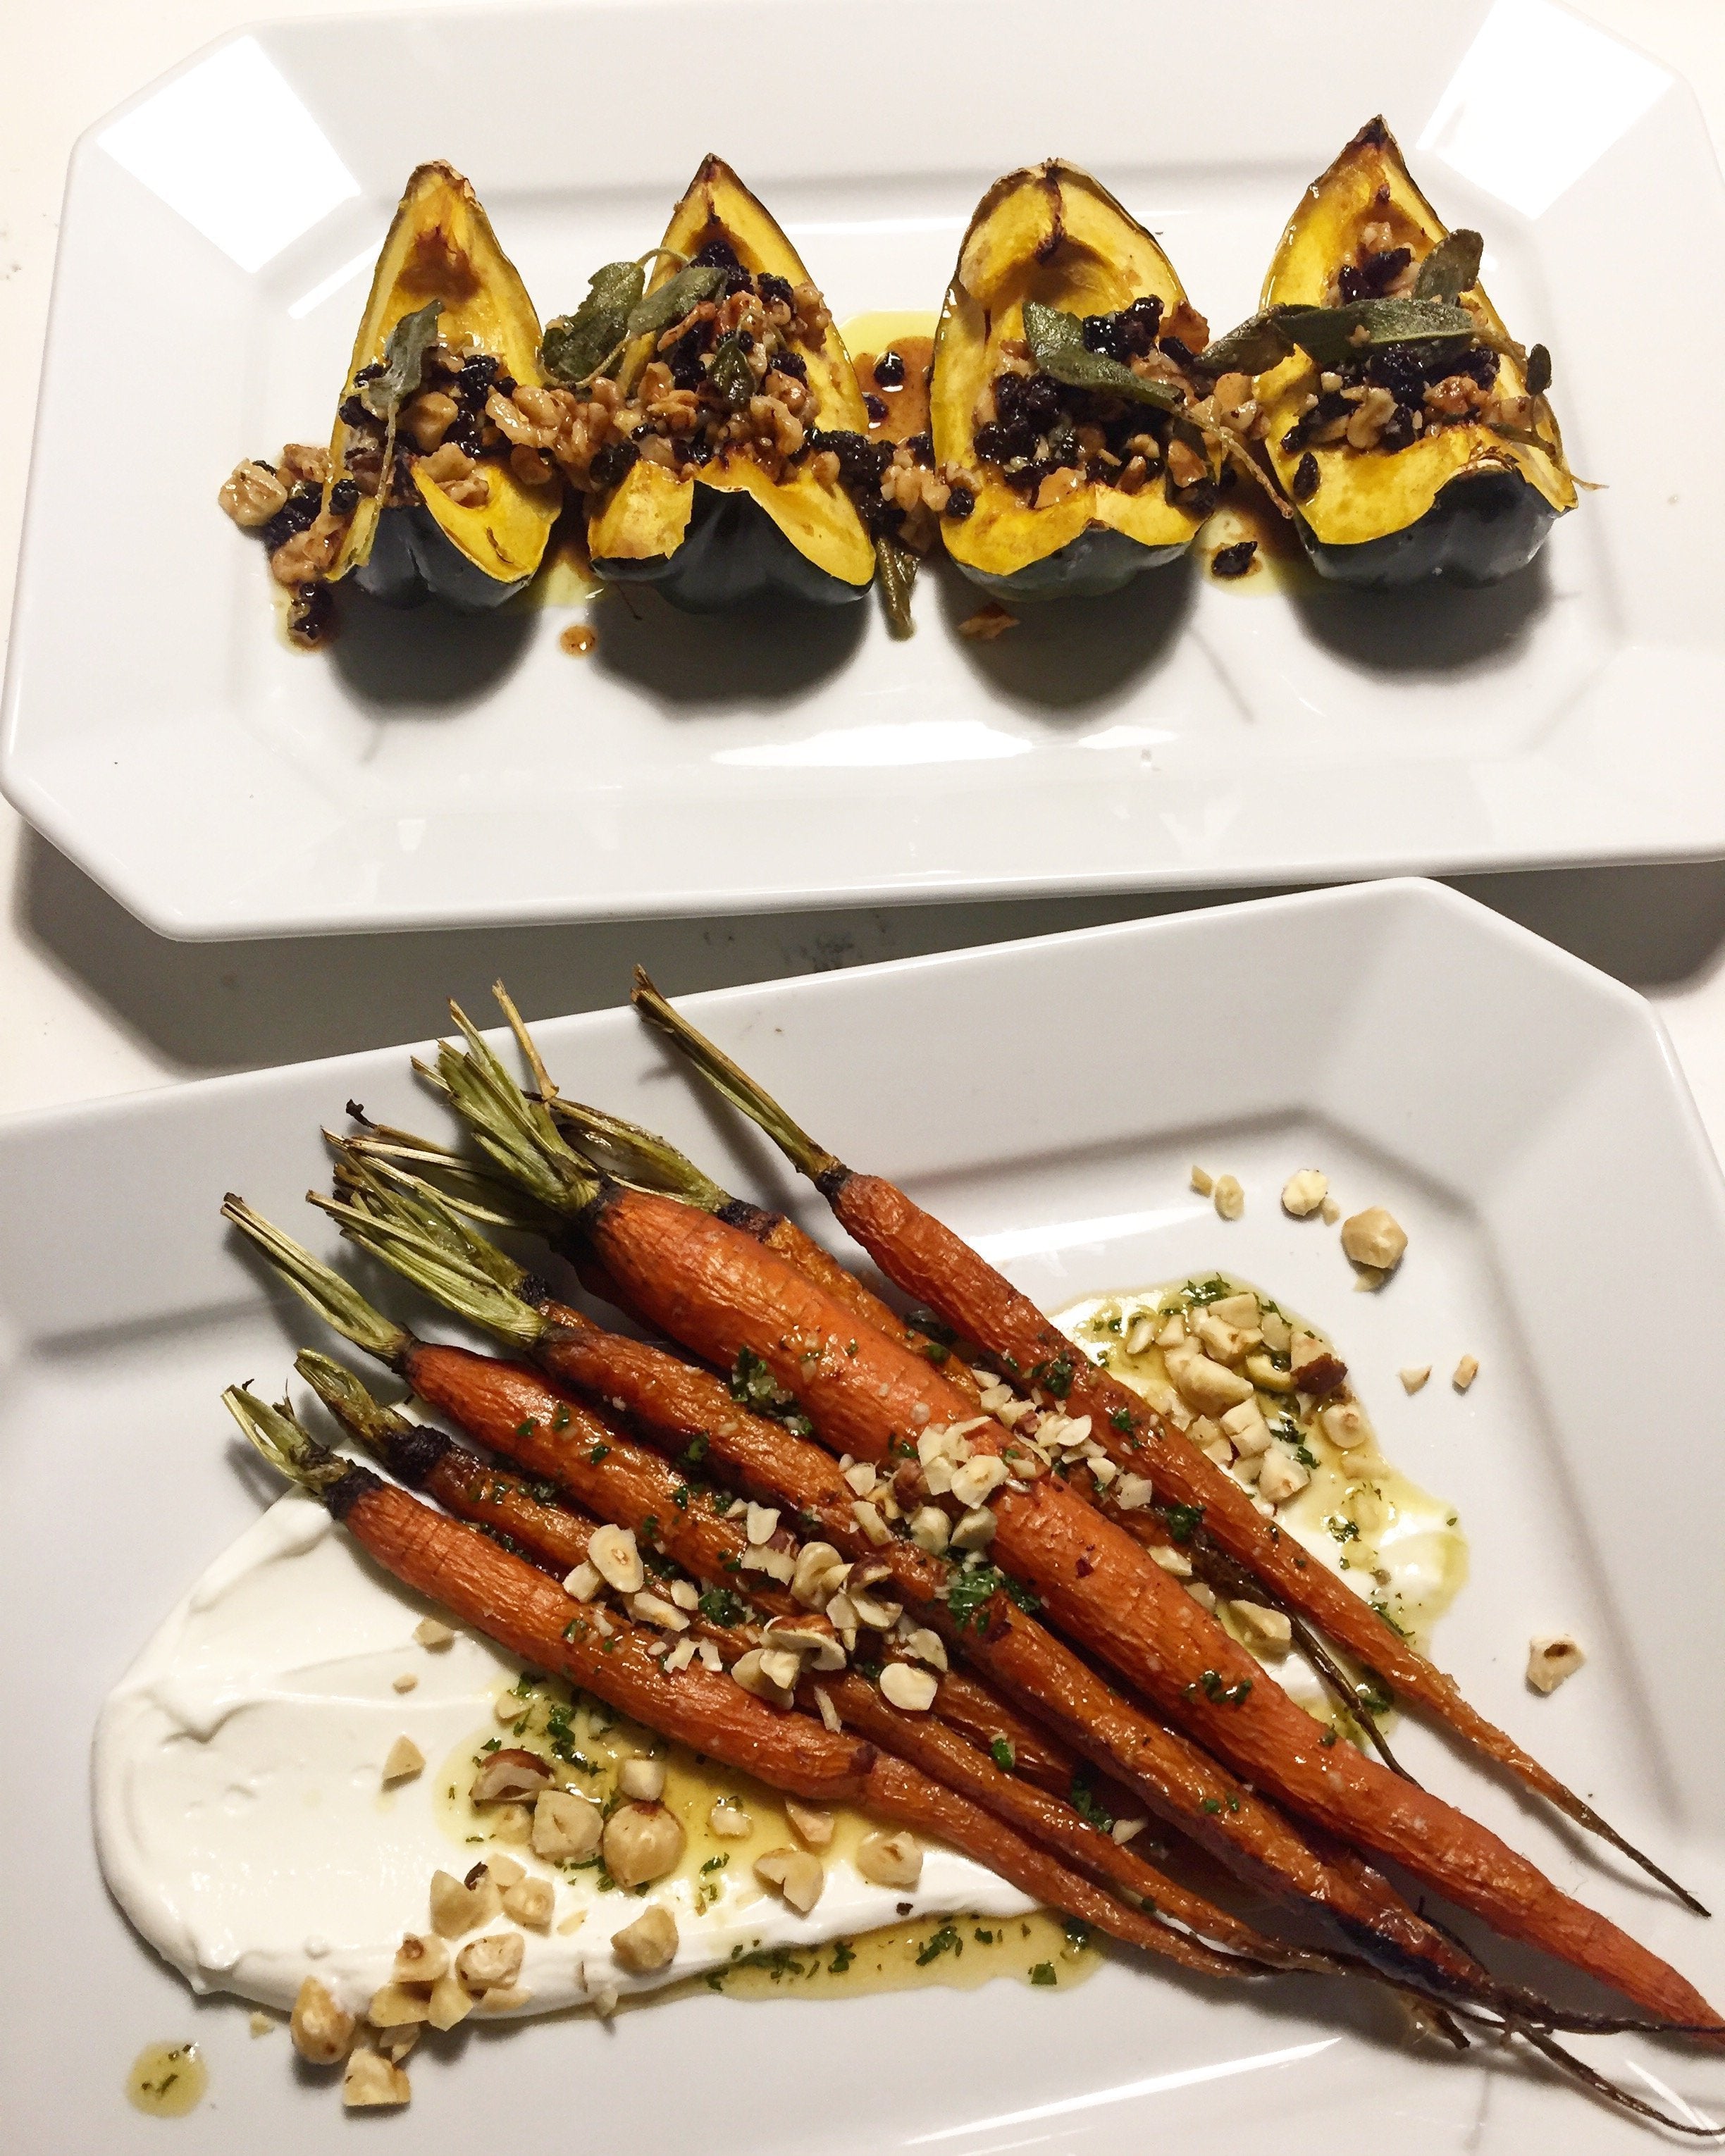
91,1003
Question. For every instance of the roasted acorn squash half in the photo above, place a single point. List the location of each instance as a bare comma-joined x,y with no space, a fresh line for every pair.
1470,497
715,533
440,247
1050,237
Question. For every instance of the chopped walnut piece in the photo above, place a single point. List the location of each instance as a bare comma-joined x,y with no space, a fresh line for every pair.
649,1944
987,623
322,2031
372,2080
251,495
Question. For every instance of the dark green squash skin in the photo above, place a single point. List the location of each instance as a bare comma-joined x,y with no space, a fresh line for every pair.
1094,564
733,554
1482,527
412,559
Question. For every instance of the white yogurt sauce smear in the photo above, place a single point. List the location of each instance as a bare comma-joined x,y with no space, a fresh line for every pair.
242,1825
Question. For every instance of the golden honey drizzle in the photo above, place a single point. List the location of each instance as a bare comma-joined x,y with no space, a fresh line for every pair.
167,2080
912,337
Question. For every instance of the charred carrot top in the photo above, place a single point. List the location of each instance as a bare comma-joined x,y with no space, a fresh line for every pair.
512,1602
719,1293
927,1261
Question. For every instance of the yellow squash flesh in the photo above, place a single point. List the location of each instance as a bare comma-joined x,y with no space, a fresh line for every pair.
1366,494
1051,233
440,246
647,516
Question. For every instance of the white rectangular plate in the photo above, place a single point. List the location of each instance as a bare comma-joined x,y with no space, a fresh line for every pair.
218,235
1519,1114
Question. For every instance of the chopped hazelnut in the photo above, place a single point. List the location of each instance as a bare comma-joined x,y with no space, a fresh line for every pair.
889,1858
1269,1630
505,1872
504,1998
1552,1656
529,1902
508,1776
797,1873
812,1825
1414,1376
1466,1370
1374,1238
926,1646
909,1689
1203,1182
496,1958
584,1583
1209,1387
931,1529
405,1760
1303,1193
1330,1212
434,1635
642,1842
1314,1365
459,1906
612,1553
1280,1476
405,1682
372,2080
1229,1197
648,1944
727,1819
322,2031
394,2005
1170,1559
643,1779
973,1530
450,2002
421,1958
261,2024
1345,1426
565,1827
509,1706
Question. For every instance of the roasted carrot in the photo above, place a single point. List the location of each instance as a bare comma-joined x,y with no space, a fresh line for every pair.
1177,1778
721,1294
512,1409
926,1260
529,1615
1366,1902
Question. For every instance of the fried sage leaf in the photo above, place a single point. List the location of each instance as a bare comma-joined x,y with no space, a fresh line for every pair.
1538,371
1253,346
730,377
403,357
1451,268
896,567
575,347
694,282
1057,346
1330,335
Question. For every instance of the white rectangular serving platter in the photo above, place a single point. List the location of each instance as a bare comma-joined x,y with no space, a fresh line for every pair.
1521,1114
219,231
